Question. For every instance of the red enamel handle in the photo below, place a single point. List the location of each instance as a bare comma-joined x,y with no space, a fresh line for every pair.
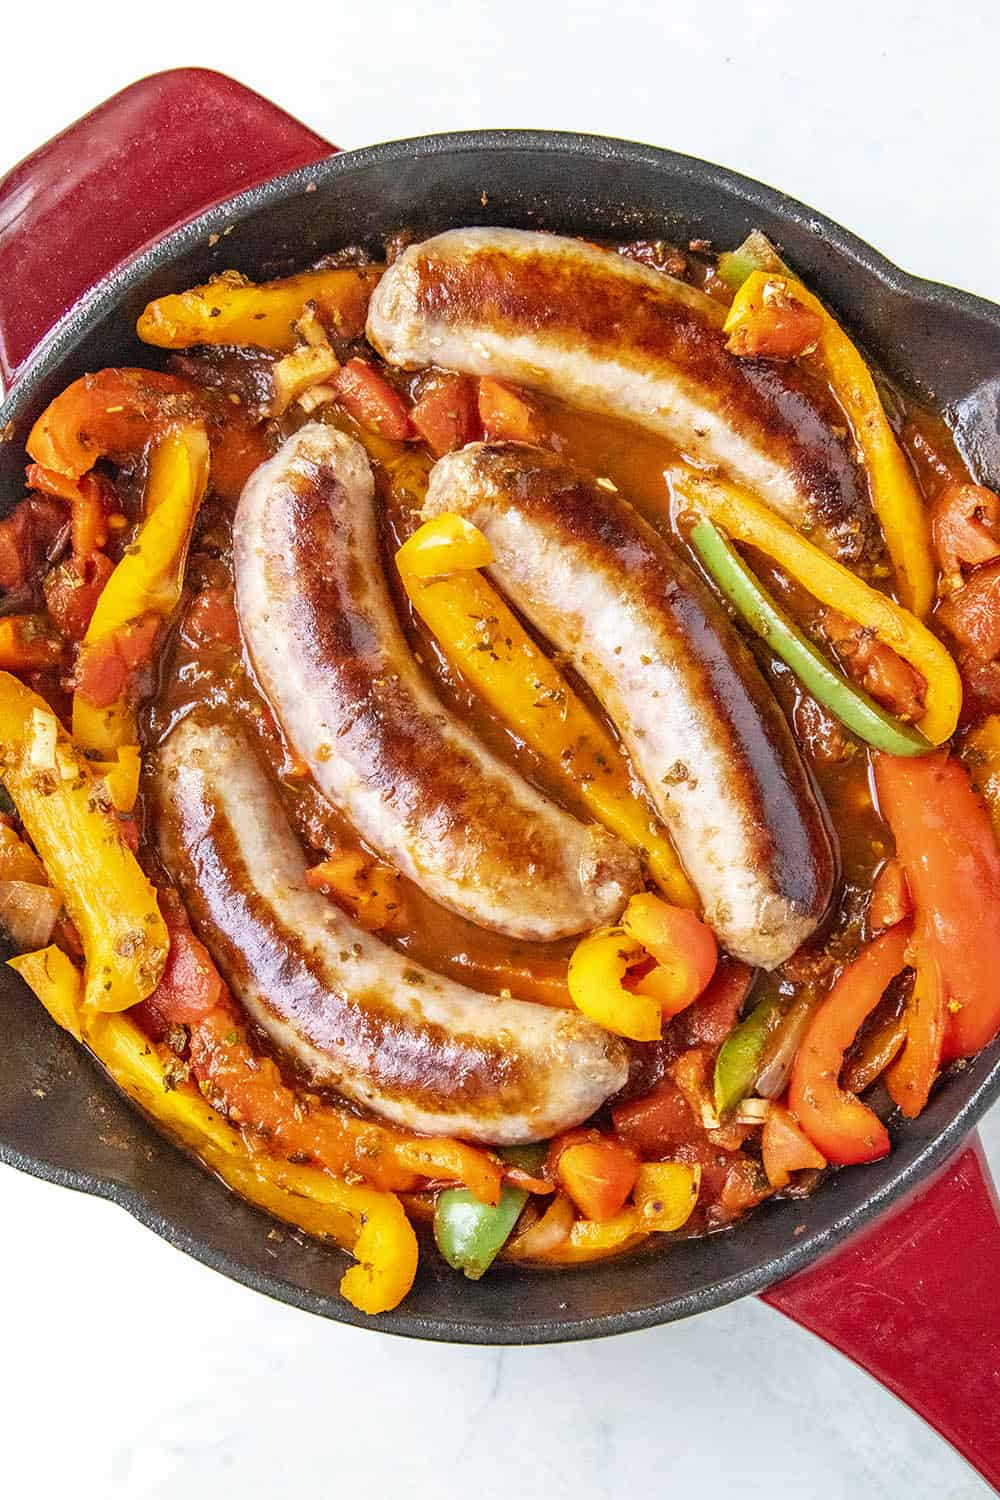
913,1300
149,158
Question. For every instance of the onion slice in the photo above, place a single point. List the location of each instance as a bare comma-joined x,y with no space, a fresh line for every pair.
29,913
773,1077
546,1233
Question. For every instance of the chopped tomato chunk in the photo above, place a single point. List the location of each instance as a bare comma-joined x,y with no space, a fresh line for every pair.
714,1014
73,589
972,615
785,1147
598,1175
980,689
369,398
27,536
211,620
965,527
881,671
190,988
446,415
657,1121
239,446
105,667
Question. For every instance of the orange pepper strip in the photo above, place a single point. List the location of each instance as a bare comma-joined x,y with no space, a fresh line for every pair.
685,950
845,1130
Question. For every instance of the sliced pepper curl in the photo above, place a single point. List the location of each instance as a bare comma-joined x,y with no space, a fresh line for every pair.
685,955
895,496
684,948
372,1225
66,814
749,521
596,970
232,310
445,544
486,642
946,844
144,587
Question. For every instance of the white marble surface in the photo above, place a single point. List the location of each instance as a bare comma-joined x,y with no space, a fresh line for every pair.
129,1371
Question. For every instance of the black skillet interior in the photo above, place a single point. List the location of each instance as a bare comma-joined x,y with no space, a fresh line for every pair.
61,1119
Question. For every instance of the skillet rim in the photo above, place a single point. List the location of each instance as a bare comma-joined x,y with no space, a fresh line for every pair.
982,1075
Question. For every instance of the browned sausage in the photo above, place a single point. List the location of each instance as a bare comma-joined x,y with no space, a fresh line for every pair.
416,783
348,1010
584,324
700,724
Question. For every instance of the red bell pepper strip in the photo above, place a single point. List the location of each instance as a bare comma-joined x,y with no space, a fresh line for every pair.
844,1129
947,847
368,397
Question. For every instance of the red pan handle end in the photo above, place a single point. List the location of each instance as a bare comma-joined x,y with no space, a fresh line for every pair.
147,159
914,1302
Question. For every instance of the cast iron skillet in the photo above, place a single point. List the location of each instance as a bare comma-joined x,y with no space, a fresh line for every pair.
116,181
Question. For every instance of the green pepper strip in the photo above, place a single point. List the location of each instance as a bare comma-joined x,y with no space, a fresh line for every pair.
849,703
469,1233
755,254
740,1056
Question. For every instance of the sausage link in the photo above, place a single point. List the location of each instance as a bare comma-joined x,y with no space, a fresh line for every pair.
567,318
417,785
702,728
350,1012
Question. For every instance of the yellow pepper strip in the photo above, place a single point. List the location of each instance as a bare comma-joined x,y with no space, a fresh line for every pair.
369,1223
447,544
58,984
485,641
150,575
749,521
664,1197
65,814
597,967
981,753
121,777
665,1194
590,1240
894,491
233,311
